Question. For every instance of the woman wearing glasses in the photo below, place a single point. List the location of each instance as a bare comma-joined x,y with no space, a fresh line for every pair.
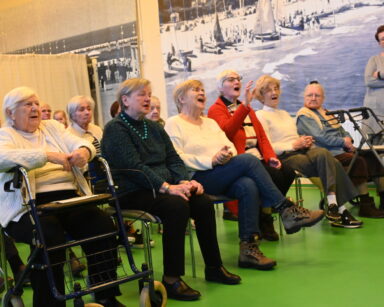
240,124
374,82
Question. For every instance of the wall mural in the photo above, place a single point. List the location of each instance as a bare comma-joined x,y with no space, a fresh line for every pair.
296,41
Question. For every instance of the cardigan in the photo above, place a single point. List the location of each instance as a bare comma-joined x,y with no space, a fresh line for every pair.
151,158
196,144
15,150
232,125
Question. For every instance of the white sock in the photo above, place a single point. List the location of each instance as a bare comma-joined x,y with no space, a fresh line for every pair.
342,209
331,198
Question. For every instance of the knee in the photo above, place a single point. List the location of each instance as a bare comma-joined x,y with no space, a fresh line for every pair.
248,161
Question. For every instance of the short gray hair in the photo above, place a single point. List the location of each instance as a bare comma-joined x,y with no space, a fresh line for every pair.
220,78
74,103
129,86
13,98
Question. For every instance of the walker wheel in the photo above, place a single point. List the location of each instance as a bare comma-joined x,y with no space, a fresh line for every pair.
145,299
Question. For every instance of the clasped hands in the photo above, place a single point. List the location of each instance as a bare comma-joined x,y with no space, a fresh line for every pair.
222,156
184,189
78,157
303,142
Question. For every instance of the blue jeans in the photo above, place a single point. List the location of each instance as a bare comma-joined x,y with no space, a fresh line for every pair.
243,178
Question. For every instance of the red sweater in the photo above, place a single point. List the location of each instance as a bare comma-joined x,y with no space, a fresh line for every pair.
232,125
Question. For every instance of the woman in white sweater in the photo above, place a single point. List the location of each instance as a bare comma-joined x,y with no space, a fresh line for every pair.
52,157
212,161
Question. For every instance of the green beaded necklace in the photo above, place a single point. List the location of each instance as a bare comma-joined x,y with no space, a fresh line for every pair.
143,137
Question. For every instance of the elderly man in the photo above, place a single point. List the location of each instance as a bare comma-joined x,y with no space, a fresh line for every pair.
328,133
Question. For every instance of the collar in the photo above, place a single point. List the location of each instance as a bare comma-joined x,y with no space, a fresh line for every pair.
267,108
78,128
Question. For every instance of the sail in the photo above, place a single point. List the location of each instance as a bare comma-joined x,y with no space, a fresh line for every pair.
217,34
265,22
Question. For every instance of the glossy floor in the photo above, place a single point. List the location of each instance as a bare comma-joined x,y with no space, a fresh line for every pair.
321,266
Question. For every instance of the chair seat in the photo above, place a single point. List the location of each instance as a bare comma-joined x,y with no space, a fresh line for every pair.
136,215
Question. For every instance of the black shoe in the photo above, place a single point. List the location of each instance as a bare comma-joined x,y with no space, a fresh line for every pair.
221,275
347,221
266,228
179,290
332,213
229,216
110,302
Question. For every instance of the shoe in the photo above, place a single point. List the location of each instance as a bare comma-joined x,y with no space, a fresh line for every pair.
266,228
252,257
76,266
179,290
138,242
229,216
333,213
110,302
368,208
295,217
347,221
221,275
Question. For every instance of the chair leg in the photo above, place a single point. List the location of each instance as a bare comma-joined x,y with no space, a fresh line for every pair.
193,260
146,230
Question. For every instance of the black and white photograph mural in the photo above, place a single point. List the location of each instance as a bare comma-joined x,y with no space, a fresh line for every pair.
295,41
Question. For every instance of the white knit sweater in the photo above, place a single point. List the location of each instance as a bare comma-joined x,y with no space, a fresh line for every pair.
15,150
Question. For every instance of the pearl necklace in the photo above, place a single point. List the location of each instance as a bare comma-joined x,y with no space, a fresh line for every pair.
143,137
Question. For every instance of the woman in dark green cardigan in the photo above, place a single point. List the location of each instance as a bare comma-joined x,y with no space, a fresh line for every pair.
132,142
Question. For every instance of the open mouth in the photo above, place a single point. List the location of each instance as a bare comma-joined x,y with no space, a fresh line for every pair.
237,88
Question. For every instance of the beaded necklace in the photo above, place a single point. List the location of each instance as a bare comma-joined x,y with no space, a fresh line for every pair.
143,137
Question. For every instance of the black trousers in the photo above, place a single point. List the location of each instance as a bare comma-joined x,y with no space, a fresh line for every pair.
79,223
282,177
174,213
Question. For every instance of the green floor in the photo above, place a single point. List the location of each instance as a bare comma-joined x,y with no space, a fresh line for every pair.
320,266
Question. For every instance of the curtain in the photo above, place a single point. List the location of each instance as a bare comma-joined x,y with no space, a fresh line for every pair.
56,78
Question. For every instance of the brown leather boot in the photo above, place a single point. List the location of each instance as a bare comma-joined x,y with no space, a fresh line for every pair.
368,208
266,228
252,257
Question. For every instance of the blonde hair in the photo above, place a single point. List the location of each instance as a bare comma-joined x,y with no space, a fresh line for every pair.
181,89
129,86
262,84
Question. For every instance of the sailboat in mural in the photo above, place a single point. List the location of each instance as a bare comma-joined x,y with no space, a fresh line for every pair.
265,26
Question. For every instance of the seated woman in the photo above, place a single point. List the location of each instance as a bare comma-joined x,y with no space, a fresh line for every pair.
61,117
154,114
209,156
298,153
80,111
240,124
53,157
131,141
328,133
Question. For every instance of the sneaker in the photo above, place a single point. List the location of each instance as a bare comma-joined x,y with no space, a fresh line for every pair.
252,257
333,213
347,221
266,228
294,217
139,243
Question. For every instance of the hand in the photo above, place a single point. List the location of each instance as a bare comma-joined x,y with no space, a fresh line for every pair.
376,75
304,141
195,187
59,158
222,156
248,94
275,163
348,144
182,189
79,157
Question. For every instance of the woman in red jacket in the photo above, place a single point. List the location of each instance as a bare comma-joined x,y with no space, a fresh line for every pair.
239,122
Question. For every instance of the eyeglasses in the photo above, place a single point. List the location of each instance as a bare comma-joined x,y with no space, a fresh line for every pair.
231,79
311,95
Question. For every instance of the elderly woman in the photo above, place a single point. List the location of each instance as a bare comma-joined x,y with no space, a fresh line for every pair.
80,111
143,145
374,81
46,111
154,114
240,124
211,160
53,157
61,117
328,133
297,152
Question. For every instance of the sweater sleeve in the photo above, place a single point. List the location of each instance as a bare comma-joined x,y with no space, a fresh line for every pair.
370,68
308,126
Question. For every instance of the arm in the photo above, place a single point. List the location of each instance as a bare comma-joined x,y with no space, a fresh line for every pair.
371,79
323,137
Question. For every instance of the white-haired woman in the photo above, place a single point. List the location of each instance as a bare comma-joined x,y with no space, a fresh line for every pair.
80,111
53,157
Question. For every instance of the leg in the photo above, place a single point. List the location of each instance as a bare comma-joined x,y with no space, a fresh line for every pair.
282,177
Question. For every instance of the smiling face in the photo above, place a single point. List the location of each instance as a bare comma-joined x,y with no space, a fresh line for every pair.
83,114
231,86
271,95
138,103
193,100
27,115
313,96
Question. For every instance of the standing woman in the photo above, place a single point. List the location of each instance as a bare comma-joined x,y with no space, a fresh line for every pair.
143,145
374,81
